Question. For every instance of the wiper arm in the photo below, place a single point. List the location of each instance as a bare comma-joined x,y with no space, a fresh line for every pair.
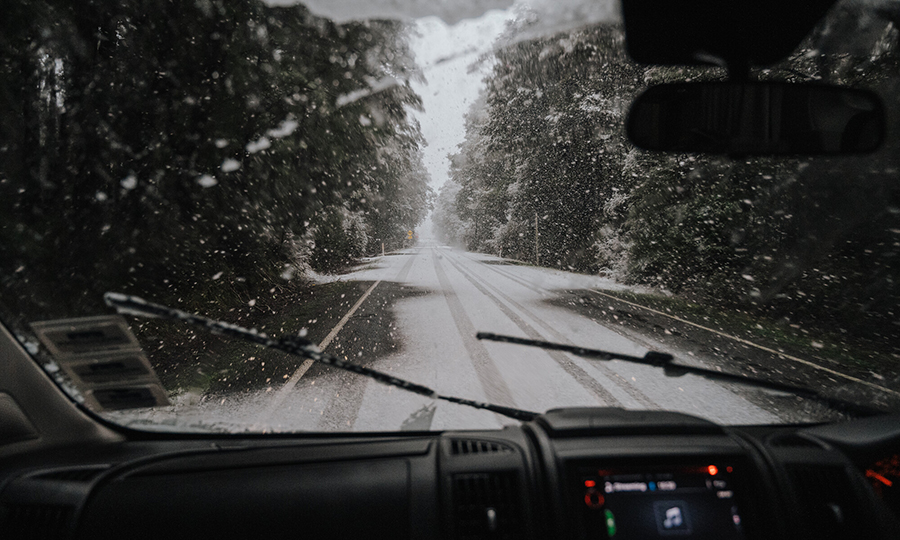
652,358
665,361
296,345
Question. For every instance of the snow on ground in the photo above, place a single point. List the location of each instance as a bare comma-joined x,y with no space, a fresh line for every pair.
460,294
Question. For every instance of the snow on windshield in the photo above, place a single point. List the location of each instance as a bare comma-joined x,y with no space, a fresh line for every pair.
556,15
387,179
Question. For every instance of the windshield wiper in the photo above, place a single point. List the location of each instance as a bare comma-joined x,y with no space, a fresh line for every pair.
671,369
296,345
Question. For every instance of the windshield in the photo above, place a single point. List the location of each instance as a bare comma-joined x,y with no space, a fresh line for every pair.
388,179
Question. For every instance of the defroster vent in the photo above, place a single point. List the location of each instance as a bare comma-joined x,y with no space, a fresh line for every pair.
459,447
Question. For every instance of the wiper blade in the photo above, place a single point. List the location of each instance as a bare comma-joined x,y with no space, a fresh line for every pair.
671,369
651,358
296,345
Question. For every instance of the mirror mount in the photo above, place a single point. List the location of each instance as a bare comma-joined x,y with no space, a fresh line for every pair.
738,70
758,33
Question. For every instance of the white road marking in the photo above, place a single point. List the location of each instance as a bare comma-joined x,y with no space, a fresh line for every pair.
750,343
334,331
283,392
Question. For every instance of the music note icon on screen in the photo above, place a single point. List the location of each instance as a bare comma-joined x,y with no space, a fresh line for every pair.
671,518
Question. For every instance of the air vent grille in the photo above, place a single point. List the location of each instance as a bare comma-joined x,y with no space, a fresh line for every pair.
461,447
486,506
80,474
827,502
32,521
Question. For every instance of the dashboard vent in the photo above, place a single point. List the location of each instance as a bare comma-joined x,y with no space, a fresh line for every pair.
828,506
461,447
80,474
486,506
28,521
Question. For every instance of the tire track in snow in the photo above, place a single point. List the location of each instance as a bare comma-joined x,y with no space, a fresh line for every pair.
575,371
493,267
780,354
610,374
282,394
495,389
348,397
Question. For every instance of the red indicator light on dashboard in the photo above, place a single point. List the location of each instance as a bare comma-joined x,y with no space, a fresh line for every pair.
729,468
713,470
872,474
589,483
594,499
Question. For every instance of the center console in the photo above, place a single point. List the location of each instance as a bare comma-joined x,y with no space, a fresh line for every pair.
635,474
695,499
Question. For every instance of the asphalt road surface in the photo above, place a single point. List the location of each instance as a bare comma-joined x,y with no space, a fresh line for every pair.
417,320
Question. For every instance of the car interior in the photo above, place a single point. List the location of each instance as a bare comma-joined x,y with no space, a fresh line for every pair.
569,473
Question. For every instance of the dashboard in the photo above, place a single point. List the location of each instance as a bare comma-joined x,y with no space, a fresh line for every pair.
581,474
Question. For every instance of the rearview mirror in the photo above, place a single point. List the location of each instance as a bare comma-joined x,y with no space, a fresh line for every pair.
757,118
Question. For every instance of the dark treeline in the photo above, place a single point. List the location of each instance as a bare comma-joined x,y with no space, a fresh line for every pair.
813,240
196,151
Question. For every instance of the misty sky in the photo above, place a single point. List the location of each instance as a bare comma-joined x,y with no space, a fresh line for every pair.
445,54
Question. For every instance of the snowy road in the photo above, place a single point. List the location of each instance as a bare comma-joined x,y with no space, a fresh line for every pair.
460,294
439,299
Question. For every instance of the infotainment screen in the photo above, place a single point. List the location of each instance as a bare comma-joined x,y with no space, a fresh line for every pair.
694,501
